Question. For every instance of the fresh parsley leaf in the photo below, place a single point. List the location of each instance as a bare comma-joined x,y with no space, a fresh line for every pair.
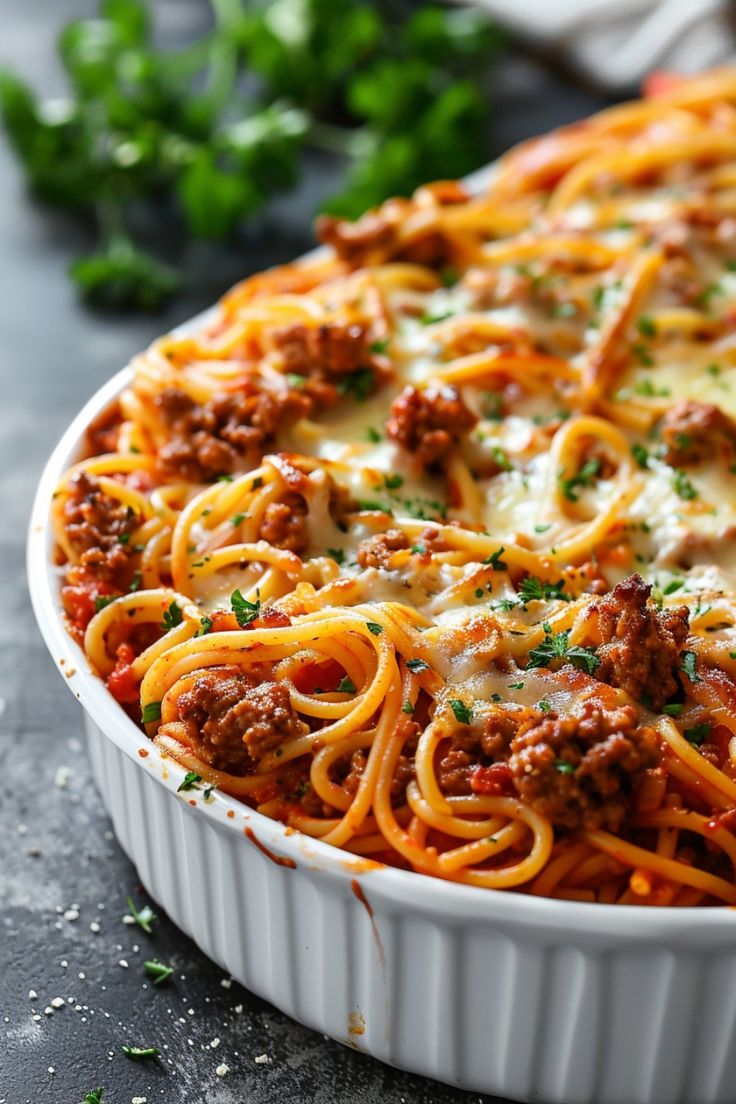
345,686
372,435
674,709
337,555
379,347
172,617
190,781
93,1097
237,520
151,712
244,611
533,589
205,626
374,628
563,767
640,454
495,560
463,713
158,971
647,326
682,486
393,482
143,917
688,664
357,385
698,734
103,600
584,478
407,707
140,1054
556,646
416,665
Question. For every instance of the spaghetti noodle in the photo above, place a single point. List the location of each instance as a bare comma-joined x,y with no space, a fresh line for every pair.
425,545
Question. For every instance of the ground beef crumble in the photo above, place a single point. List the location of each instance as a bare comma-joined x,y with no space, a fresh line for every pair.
428,423
581,771
377,551
695,431
226,433
640,645
284,524
233,719
98,527
325,353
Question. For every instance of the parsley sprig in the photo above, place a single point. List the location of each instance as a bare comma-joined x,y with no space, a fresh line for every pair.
557,646
202,136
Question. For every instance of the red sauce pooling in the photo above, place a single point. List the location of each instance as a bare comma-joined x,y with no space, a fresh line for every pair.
358,891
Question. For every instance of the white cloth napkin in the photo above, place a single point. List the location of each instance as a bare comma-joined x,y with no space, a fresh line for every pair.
617,42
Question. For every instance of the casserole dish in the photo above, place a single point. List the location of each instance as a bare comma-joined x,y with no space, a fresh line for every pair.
517,995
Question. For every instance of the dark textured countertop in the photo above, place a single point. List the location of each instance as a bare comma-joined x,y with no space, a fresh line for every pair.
63,879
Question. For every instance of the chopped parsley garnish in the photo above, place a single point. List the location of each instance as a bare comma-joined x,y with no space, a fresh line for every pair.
641,351
495,560
374,504
378,346
407,707
714,369
172,617
501,458
135,582
124,538
584,478
296,381
532,589
151,712
564,310
392,482
647,326
244,611
492,408
419,549
345,686
557,646
225,478
649,391
542,528
674,709
158,971
463,713
139,1054
435,316
143,917
103,600
688,664
205,626
698,734
237,519
516,686
544,706
357,385
94,1097
337,555
372,435
190,781
417,665
673,585
479,592
682,485
374,628
449,276
257,483
563,767
640,454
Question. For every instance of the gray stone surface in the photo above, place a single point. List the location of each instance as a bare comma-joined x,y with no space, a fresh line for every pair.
63,879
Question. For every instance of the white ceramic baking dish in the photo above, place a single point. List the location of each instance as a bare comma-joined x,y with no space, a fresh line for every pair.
526,998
